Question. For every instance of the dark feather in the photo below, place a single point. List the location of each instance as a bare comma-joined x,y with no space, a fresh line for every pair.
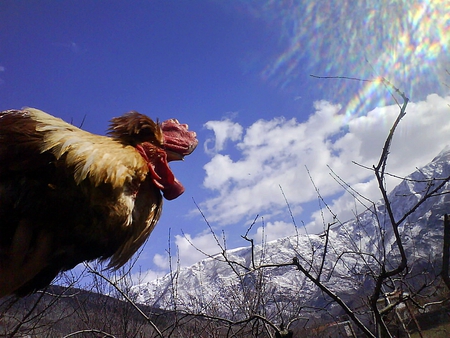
133,128
88,196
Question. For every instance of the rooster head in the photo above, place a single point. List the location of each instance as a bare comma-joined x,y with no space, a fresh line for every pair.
158,144
178,140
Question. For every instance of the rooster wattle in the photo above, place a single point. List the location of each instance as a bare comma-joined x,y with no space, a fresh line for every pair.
68,196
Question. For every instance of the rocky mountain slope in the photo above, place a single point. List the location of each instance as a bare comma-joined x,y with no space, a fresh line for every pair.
355,251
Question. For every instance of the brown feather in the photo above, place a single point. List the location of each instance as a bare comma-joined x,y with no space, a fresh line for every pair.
89,196
133,128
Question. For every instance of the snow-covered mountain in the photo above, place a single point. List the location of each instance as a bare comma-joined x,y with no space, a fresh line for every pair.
355,250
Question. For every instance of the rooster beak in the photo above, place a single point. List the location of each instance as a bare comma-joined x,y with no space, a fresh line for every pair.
178,140
174,156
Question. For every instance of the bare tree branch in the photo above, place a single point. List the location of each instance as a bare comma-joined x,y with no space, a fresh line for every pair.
131,302
446,252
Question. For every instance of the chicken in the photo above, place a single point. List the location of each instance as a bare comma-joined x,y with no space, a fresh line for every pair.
68,196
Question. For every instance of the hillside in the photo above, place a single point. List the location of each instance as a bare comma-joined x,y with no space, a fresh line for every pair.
60,311
356,251
230,294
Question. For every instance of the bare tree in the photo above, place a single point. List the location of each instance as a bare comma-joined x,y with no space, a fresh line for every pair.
396,286
393,288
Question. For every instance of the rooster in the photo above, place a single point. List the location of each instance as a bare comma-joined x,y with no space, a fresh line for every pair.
68,196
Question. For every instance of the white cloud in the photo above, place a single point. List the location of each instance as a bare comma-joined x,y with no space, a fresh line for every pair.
161,261
223,130
275,230
191,249
274,153
345,206
186,254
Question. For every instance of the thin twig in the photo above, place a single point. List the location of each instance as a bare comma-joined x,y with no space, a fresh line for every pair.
129,300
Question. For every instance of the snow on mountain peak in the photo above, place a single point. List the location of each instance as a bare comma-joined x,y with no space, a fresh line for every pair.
353,252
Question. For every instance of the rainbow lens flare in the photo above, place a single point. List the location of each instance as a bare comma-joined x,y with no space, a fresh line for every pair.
403,41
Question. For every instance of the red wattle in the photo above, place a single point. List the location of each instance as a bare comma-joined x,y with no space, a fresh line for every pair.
161,173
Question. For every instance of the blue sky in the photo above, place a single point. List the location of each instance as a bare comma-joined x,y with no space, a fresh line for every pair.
238,72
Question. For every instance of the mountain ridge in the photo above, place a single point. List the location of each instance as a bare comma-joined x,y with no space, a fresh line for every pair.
354,250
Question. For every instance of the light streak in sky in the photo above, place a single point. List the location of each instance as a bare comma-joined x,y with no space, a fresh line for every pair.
403,41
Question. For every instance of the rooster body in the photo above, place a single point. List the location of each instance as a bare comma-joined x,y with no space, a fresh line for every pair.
85,196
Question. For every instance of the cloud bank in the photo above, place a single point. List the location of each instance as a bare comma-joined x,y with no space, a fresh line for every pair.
253,170
246,177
